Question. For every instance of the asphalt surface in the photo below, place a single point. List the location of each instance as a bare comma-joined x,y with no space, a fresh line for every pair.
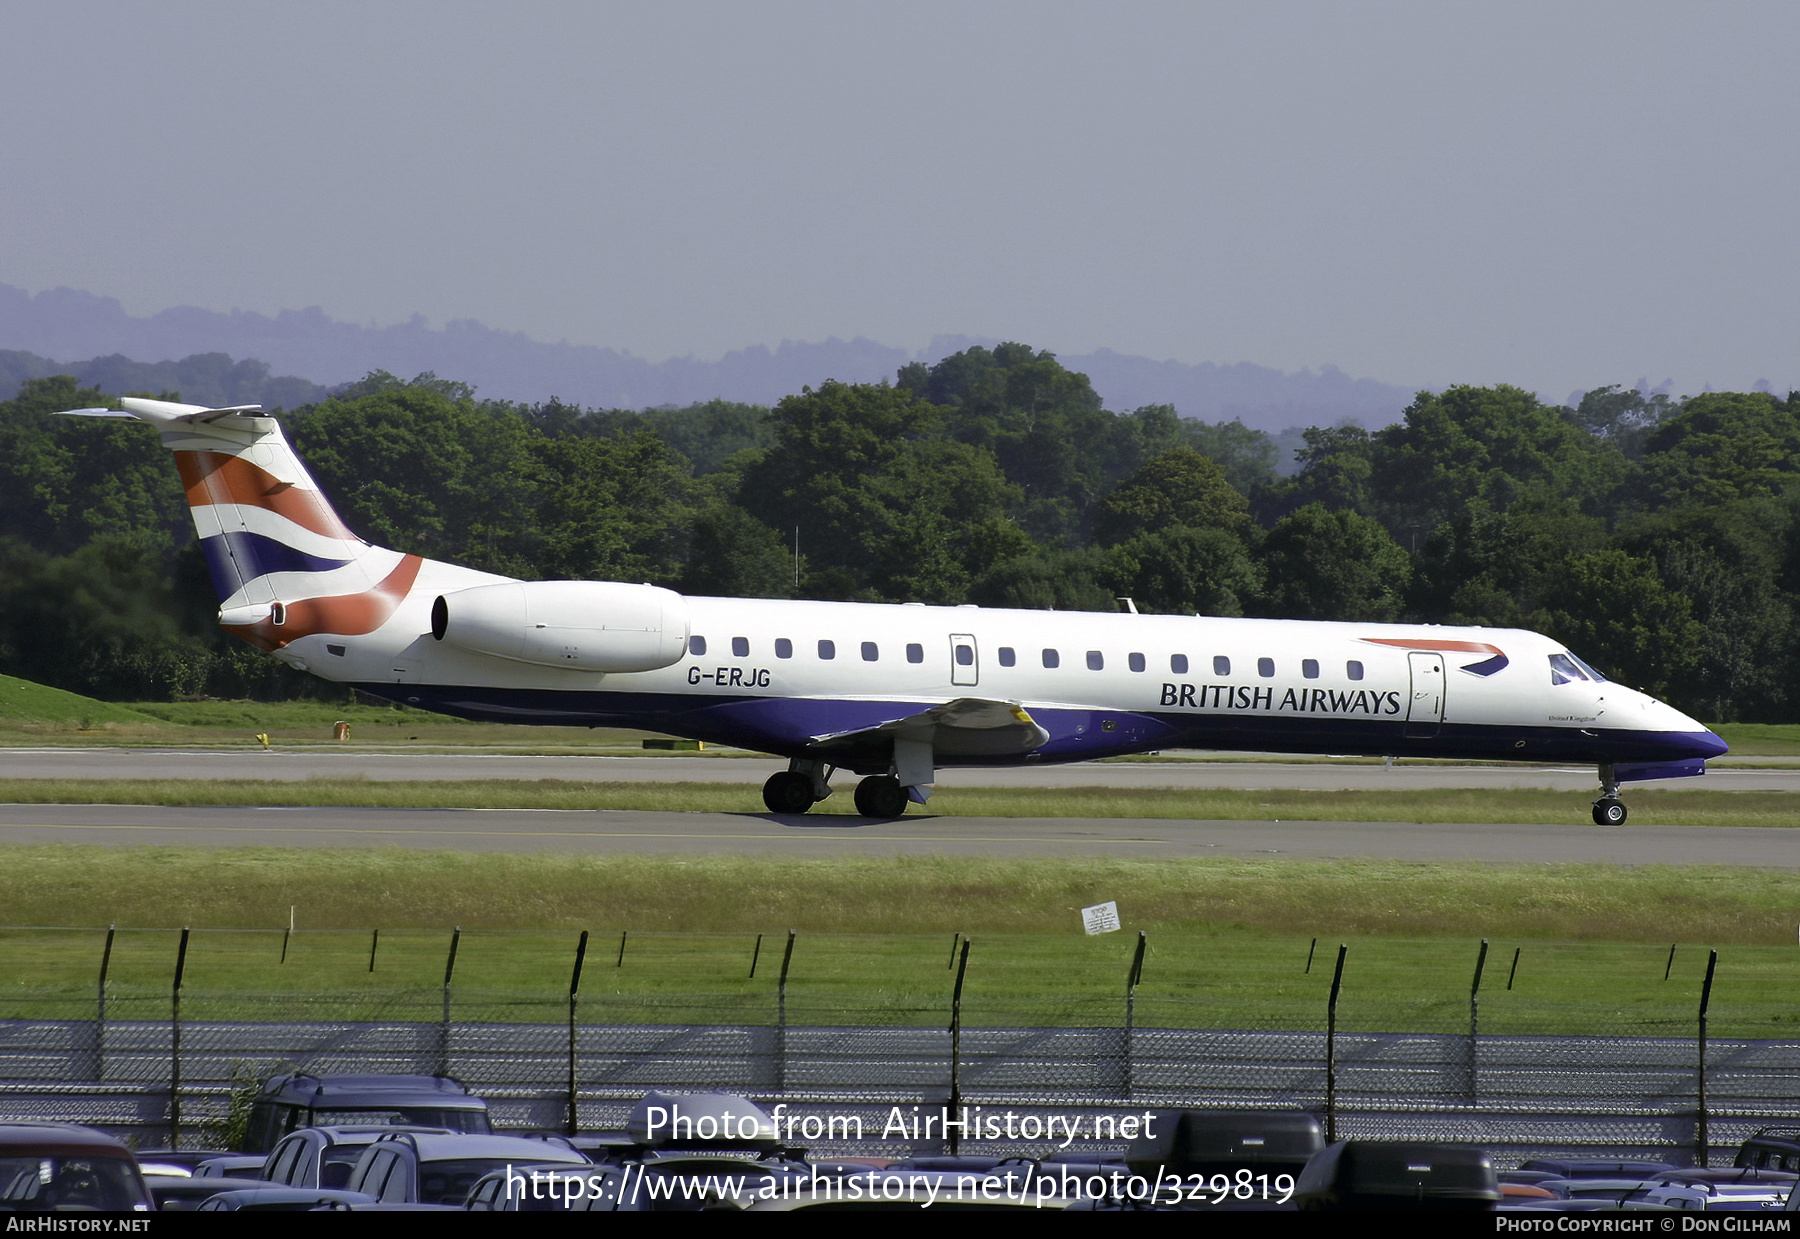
832,830
296,763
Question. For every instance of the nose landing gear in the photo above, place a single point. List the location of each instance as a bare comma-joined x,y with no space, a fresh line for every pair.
1609,810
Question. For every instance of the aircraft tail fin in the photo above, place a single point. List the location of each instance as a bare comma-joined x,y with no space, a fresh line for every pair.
284,564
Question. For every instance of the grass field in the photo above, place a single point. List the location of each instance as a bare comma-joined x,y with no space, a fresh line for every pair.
1649,806
1227,940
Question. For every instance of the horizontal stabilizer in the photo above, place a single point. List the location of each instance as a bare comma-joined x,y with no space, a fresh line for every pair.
163,411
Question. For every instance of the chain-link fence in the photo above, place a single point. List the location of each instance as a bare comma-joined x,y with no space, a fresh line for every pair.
1514,1073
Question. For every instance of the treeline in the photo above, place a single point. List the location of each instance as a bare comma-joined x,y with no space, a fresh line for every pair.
1659,538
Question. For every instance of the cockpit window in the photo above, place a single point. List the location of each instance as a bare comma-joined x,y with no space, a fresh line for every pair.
1566,668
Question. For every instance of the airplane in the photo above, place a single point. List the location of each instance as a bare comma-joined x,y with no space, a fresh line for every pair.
889,692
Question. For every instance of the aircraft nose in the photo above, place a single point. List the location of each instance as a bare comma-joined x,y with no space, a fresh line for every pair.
1710,745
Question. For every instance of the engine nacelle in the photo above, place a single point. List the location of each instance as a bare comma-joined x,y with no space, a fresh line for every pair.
581,625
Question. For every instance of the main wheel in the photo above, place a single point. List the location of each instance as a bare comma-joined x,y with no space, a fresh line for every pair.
1609,812
788,791
880,795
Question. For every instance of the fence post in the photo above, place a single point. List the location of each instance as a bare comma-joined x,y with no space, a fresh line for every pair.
755,954
574,996
100,1007
1337,979
787,957
444,1027
1475,1024
1132,978
374,941
175,1045
955,1108
1701,1138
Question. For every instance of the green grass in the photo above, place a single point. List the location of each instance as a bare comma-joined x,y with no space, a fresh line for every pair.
1191,979
36,708
1649,806
254,888
1760,739
1227,940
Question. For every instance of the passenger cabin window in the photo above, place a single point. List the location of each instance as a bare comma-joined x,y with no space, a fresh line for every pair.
783,648
965,656
1265,667
1051,658
915,653
869,652
1309,667
696,646
828,650
1221,665
1135,662
740,647
1178,663
1353,669
1095,661
1007,657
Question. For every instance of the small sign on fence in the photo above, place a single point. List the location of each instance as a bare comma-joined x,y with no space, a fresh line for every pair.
1102,918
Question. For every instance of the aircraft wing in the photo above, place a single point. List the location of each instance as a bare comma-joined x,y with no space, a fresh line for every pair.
965,727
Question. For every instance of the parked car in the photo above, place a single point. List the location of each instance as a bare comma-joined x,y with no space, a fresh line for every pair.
1771,1148
59,1168
435,1168
325,1156
181,1193
1398,1174
281,1200
290,1102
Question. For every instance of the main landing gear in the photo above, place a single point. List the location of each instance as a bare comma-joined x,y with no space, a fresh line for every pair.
804,783
880,795
1609,810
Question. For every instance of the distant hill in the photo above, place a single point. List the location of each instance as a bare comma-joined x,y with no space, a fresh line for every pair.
66,324
205,378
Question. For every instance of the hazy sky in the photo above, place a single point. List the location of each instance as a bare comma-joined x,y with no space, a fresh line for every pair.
1557,195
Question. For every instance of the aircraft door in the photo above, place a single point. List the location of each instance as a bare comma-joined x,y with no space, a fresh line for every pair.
965,667
1425,712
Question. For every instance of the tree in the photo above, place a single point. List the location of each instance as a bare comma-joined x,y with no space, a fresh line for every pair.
608,509
1493,444
828,443
1328,565
1180,487
1625,417
420,467
1722,447
1183,570
1613,610
1494,568
1247,456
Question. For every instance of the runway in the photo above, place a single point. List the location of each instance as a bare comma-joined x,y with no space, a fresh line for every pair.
833,831
822,835
378,765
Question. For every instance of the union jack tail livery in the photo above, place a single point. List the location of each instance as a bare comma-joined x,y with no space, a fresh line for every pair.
283,563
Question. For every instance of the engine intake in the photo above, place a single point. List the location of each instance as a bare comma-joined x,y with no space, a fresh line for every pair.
581,625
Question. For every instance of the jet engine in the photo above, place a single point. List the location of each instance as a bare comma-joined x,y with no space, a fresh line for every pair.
581,625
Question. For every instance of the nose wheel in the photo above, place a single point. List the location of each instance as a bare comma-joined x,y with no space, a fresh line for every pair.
1609,810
